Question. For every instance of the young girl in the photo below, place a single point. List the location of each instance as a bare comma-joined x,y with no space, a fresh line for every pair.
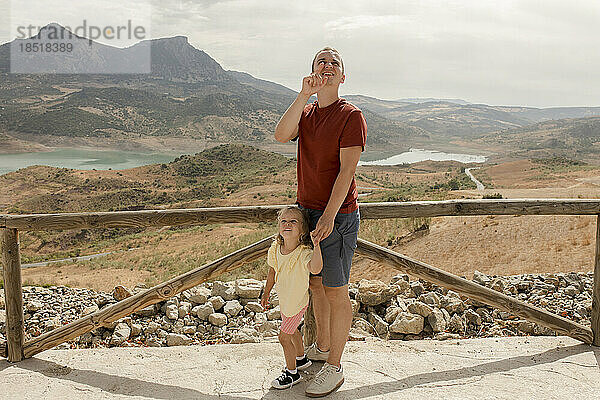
290,259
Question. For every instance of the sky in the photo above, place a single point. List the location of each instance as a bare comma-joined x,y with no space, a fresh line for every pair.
538,53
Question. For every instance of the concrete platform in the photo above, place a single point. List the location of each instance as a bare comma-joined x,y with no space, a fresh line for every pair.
493,368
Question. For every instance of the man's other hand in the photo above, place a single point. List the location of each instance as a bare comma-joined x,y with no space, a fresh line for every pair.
324,227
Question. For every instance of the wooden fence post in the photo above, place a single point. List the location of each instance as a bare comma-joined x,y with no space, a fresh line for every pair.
13,293
596,292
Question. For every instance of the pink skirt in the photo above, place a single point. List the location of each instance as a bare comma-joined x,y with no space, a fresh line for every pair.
290,324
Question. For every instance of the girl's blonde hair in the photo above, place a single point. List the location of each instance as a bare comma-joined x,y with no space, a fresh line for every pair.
305,233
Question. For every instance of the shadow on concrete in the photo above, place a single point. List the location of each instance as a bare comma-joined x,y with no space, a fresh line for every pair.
503,365
115,384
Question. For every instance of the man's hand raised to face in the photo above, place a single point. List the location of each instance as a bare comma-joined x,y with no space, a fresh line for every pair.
314,82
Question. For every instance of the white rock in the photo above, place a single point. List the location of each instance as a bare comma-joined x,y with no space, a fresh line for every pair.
408,323
175,339
391,314
245,335
274,313
217,302
372,293
456,324
33,305
355,307
120,334
172,312
253,307
217,319
203,311
189,329
260,318
223,290
146,312
248,288
136,329
152,327
267,328
381,327
196,295
184,308
436,320
431,299
232,308
420,308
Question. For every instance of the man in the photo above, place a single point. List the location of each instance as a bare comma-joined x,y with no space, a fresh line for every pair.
331,135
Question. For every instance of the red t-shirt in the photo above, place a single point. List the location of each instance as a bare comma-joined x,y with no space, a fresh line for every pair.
322,132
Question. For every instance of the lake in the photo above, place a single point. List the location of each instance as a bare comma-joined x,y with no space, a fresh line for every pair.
416,155
105,159
82,159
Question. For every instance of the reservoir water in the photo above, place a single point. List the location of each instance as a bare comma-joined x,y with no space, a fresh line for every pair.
416,155
82,159
105,159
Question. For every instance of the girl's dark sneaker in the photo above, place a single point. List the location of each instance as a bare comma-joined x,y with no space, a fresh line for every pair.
286,380
303,364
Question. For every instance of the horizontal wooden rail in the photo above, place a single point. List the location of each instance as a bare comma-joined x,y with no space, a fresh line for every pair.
195,216
475,291
3,350
148,297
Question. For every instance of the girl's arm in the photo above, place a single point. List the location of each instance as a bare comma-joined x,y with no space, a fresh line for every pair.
264,301
315,265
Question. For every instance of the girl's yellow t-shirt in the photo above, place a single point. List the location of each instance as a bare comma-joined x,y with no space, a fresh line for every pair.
291,277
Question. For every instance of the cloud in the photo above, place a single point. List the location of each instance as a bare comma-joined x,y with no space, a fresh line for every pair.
511,51
362,21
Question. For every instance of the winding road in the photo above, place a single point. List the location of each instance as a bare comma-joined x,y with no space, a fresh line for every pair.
470,175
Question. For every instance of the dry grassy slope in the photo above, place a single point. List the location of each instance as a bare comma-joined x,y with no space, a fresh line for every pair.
498,245
506,245
495,245
11,145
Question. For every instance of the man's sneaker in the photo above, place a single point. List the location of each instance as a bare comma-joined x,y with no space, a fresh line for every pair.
313,353
286,380
303,364
327,380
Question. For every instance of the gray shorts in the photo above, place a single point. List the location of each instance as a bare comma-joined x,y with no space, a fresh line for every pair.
337,248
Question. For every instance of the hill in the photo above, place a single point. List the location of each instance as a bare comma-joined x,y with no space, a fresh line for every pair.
186,97
456,118
188,180
577,138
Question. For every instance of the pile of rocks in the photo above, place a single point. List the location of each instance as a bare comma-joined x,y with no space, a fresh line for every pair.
230,312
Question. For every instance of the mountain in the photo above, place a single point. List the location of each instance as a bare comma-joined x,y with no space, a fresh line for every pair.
185,102
261,84
457,118
575,138
418,100
374,104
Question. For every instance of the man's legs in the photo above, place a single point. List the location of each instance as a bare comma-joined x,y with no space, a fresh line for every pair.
322,312
340,321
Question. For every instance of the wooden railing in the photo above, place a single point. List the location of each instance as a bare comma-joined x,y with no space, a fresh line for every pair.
16,348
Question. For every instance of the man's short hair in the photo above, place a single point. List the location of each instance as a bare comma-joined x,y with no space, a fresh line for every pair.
312,65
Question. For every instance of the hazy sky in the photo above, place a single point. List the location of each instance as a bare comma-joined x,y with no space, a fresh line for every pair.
537,53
